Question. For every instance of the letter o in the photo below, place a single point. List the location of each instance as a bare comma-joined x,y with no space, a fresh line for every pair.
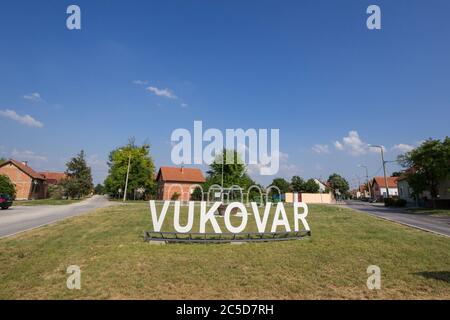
227,219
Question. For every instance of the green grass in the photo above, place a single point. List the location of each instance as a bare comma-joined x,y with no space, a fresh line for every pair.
116,263
431,212
44,202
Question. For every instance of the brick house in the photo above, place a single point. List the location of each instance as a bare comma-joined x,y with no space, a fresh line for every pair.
378,187
29,183
172,180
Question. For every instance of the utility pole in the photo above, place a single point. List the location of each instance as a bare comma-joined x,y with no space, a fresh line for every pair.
223,160
367,178
126,180
384,168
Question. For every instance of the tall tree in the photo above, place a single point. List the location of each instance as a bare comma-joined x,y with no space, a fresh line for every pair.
338,183
79,178
297,184
234,171
311,186
141,173
430,165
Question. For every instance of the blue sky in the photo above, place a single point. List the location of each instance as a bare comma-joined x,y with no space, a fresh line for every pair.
310,68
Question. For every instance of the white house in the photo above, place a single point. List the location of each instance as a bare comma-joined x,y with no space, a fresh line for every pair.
322,185
379,190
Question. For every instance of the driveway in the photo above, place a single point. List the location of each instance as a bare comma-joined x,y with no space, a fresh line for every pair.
439,225
22,218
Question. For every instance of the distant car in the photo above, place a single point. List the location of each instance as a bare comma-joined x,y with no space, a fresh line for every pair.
5,201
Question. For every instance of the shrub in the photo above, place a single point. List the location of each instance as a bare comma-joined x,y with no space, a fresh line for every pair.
6,186
175,196
56,192
394,202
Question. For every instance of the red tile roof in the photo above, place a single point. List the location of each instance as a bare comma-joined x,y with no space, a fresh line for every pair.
25,168
392,182
54,176
180,174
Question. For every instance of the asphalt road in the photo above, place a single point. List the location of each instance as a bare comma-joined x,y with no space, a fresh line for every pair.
22,218
439,225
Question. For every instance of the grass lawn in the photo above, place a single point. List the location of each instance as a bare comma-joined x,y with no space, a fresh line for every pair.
115,262
431,212
44,202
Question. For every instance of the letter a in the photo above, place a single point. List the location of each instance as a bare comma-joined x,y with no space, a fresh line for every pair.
374,21
74,20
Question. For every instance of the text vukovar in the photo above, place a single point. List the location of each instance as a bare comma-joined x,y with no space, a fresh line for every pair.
207,215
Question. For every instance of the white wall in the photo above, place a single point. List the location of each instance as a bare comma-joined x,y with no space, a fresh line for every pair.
392,191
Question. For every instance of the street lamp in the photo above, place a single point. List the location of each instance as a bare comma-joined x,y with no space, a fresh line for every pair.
128,173
367,178
384,167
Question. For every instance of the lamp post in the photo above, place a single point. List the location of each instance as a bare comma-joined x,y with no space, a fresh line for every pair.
384,167
367,178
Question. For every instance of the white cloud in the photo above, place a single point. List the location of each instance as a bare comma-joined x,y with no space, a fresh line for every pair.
402,147
162,92
338,145
25,119
35,96
321,149
140,82
352,144
283,156
184,105
27,155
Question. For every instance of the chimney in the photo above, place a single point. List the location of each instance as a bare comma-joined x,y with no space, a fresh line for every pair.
182,169
25,163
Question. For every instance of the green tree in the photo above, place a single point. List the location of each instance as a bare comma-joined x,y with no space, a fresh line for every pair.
282,184
234,171
141,173
99,189
297,184
338,183
79,178
311,186
2,160
6,186
430,164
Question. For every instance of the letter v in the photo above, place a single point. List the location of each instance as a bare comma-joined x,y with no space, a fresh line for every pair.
157,223
261,224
